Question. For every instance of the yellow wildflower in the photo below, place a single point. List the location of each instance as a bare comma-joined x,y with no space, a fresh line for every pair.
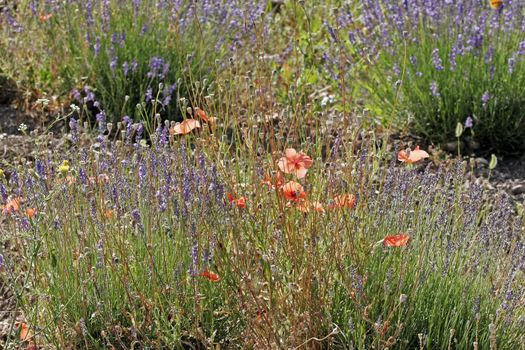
64,168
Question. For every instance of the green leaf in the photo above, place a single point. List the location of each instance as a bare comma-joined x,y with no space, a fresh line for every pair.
459,130
493,161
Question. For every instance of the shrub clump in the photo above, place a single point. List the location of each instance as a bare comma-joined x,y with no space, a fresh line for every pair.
115,55
433,64
158,245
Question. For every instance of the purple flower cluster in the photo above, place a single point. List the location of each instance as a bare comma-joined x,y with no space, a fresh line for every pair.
5,15
467,54
158,68
468,26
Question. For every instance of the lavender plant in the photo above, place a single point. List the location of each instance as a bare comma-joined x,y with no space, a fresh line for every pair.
122,53
141,244
431,65
203,238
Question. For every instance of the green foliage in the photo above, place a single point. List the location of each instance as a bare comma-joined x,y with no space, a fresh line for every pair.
116,254
428,67
459,94
120,52
135,275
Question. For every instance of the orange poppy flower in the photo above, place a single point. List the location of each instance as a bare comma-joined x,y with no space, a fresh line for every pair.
212,276
239,202
11,207
295,163
343,201
305,206
109,214
43,17
275,183
201,114
185,127
24,334
293,191
31,212
411,157
496,4
396,240
318,207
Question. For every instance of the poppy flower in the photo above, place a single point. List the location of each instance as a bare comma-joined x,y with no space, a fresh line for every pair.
293,191
11,207
45,17
295,163
343,201
305,206
211,121
496,4
109,214
396,240
239,202
185,127
273,183
24,334
31,212
212,276
411,157
201,114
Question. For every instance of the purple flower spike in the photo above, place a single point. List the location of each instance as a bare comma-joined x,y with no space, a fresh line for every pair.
438,64
96,46
485,98
434,89
469,123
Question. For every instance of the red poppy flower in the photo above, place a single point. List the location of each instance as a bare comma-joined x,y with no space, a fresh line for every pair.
239,202
31,212
185,127
343,201
411,157
11,207
212,276
295,163
211,121
293,191
274,183
305,206
25,333
201,114
396,240
45,17
496,4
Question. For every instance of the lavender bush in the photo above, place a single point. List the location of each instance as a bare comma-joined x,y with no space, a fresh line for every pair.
115,55
433,64
138,244
150,235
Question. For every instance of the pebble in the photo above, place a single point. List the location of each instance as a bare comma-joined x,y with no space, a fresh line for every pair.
518,189
483,161
451,146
